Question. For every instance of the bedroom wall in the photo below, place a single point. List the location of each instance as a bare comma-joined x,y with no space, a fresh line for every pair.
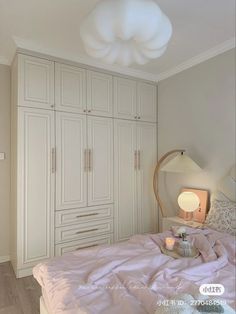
4,164
196,110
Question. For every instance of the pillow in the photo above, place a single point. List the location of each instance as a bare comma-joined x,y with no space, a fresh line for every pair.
222,216
219,196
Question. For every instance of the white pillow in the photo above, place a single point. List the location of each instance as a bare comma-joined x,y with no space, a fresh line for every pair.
222,216
219,196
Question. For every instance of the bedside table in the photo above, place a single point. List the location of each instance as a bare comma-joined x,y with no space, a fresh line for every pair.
167,222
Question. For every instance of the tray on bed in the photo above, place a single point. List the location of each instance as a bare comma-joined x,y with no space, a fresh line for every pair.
174,253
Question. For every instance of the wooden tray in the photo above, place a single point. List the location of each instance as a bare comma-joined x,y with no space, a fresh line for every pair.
174,253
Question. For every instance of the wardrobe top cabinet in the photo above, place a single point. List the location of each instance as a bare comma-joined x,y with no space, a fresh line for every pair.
134,100
46,84
82,91
35,82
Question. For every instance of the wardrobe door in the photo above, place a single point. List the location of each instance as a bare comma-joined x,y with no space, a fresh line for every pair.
71,177
36,82
100,160
147,159
70,88
35,227
99,94
125,179
146,102
125,106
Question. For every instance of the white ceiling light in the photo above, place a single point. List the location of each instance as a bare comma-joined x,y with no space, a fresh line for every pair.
126,31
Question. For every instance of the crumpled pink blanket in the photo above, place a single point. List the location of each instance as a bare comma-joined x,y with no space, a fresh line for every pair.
131,277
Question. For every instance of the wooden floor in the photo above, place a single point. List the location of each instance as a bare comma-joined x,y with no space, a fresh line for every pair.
18,296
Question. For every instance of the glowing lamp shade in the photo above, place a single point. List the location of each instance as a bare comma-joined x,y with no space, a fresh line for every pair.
126,31
188,201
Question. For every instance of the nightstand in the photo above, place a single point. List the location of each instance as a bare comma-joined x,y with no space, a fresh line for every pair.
167,222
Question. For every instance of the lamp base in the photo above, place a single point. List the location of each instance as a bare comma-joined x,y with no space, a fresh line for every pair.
188,216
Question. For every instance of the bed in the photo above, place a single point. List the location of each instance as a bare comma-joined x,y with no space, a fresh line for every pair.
135,277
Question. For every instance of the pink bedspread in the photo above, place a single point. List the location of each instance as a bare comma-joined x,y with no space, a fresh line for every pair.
131,277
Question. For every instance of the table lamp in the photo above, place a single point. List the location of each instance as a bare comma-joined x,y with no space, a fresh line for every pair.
189,202
180,163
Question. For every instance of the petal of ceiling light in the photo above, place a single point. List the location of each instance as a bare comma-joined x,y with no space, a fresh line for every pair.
126,31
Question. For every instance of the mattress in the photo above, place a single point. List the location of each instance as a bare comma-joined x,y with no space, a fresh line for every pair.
135,277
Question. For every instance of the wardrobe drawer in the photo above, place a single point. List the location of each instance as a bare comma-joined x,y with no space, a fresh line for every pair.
63,248
75,216
85,230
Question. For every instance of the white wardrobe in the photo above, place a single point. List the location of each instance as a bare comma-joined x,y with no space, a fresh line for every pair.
83,155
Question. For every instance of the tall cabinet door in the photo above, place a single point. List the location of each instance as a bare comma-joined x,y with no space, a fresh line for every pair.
36,185
71,178
125,179
70,88
147,158
100,160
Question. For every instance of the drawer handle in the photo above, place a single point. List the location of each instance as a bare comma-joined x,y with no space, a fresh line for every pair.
86,247
90,230
87,215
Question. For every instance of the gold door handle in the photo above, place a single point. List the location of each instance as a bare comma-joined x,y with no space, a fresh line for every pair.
135,160
89,160
84,231
85,160
139,160
87,215
53,160
86,247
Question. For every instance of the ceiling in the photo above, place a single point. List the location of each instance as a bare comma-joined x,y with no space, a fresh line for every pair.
201,28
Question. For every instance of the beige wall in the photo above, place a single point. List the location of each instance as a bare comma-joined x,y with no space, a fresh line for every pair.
196,110
4,164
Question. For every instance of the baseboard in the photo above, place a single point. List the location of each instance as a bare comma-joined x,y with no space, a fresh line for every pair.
4,259
24,272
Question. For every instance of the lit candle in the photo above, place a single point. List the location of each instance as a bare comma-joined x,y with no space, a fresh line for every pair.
170,242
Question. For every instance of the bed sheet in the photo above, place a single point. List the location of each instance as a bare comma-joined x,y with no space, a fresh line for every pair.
134,277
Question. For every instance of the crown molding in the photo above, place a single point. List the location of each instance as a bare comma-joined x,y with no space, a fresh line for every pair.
26,45
217,50
4,61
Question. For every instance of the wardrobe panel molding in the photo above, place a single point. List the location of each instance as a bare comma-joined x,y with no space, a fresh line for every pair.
36,82
125,98
70,88
125,179
99,94
147,159
146,102
100,171
35,187
71,161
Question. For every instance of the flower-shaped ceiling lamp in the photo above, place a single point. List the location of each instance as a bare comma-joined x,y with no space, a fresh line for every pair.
126,31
